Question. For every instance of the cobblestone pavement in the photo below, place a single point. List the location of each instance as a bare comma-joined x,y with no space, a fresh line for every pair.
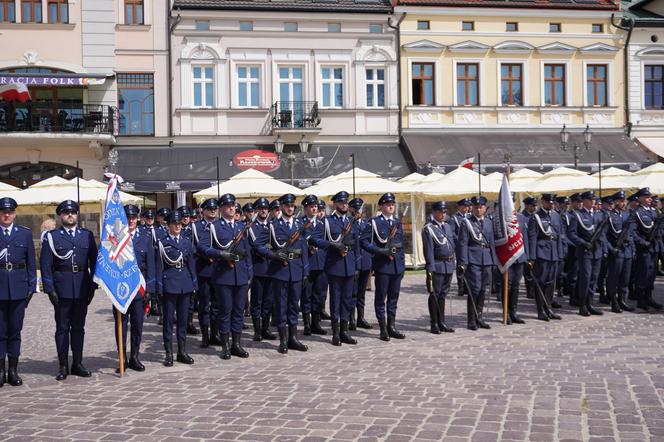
598,378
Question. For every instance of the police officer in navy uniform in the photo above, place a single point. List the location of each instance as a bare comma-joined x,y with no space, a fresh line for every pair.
161,225
155,232
585,222
340,238
515,274
571,263
620,244
67,261
176,281
248,211
475,254
145,260
289,267
324,315
148,225
562,208
232,275
544,253
186,232
185,212
383,237
647,248
455,221
262,298
314,293
18,279
360,286
440,257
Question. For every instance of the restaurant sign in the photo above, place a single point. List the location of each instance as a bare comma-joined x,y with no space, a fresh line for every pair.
257,159
50,80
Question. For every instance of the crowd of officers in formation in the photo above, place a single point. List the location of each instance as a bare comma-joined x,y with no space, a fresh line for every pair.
262,261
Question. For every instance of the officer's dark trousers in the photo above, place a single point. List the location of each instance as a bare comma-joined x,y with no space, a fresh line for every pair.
479,279
545,274
231,300
318,283
175,308
360,288
644,270
441,285
261,297
11,324
134,315
341,296
387,288
70,324
205,294
587,279
561,275
287,300
572,271
515,275
619,271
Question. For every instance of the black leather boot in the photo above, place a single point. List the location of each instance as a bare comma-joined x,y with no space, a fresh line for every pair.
265,329
225,347
12,374
651,302
480,314
215,340
191,328
306,321
168,359
77,367
583,308
361,322
205,337
134,363
623,305
63,370
632,293
283,340
642,300
258,335
384,335
236,347
316,329
343,334
470,314
541,311
530,291
3,374
325,316
592,310
512,305
182,356
442,326
293,342
125,363
352,325
615,306
603,299
433,315
392,329
336,340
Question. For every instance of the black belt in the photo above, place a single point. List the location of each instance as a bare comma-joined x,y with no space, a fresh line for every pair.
71,269
11,266
178,265
294,253
444,258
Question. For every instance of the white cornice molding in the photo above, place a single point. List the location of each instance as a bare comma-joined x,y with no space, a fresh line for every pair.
513,47
599,49
423,46
469,46
505,12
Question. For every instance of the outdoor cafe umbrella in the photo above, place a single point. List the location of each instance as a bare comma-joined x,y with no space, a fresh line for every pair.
459,183
652,177
564,180
249,184
523,180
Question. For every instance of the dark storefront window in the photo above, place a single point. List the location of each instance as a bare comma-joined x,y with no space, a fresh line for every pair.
136,103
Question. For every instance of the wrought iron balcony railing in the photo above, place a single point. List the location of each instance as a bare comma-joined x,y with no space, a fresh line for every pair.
295,115
58,117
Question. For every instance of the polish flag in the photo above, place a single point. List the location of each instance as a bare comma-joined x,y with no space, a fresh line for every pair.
467,163
14,92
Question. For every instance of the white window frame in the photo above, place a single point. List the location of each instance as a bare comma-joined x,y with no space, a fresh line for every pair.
437,89
290,80
524,81
332,82
374,83
480,80
568,84
203,81
297,26
609,82
147,12
335,24
382,28
248,81
647,62
246,21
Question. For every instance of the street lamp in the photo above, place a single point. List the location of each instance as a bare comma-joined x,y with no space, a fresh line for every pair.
292,157
279,145
304,145
587,142
351,158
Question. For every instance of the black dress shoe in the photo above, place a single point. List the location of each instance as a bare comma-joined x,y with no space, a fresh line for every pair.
336,338
555,304
553,315
225,347
472,326
135,364
236,347
517,320
316,329
13,378
593,311
543,317
392,329
77,367
483,324
384,335
182,356
283,341
293,342
344,336
63,371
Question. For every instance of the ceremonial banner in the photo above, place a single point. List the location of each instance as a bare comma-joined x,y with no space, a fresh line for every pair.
117,271
506,232
15,92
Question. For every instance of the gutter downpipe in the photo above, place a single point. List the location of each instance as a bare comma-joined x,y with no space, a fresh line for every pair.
627,25
171,27
396,27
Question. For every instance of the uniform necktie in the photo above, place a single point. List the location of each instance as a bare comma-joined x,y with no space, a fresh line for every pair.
7,233
390,222
71,233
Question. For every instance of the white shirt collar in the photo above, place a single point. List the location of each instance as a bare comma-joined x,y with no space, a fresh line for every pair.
10,228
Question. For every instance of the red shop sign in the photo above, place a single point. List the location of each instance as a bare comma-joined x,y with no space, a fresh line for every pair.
257,159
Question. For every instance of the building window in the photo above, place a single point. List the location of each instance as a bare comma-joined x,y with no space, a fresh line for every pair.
467,25
375,28
133,10
334,27
555,27
468,84
511,26
248,87
596,85
246,26
203,86
511,84
554,85
423,25
31,11
375,78
8,11
653,86
136,103
202,25
58,11
333,86
290,84
422,84
598,28
290,26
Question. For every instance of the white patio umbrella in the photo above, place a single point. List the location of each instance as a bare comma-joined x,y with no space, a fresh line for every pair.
461,182
4,187
413,178
54,190
523,180
564,180
248,184
367,184
652,177
614,178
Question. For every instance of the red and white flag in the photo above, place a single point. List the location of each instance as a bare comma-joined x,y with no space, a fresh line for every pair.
14,92
506,232
467,163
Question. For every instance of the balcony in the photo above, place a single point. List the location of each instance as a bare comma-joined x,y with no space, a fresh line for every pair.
290,116
58,118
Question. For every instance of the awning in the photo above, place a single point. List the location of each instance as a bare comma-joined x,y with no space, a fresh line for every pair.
193,167
537,150
58,80
653,144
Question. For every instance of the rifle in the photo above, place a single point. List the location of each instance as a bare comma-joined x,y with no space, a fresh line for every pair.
622,241
281,253
598,232
655,228
239,236
339,245
390,239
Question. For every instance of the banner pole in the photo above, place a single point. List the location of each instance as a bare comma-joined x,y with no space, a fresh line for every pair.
120,346
505,296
